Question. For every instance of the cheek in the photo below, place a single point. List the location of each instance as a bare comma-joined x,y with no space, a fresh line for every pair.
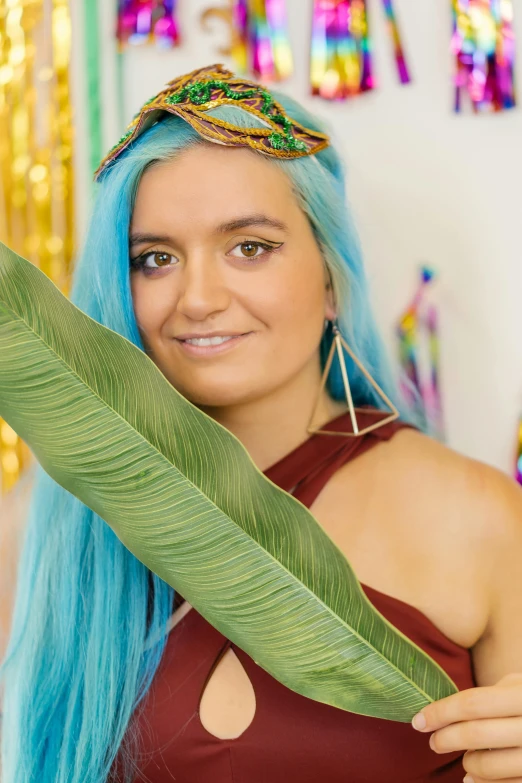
292,305
149,308
304,287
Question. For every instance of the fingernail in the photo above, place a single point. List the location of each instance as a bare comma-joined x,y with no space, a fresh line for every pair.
419,721
468,779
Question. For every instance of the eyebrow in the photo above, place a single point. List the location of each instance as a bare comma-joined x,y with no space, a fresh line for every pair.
248,221
142,238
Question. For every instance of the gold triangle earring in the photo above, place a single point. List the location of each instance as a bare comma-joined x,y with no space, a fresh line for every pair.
337,347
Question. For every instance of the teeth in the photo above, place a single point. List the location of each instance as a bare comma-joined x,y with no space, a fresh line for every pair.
208,340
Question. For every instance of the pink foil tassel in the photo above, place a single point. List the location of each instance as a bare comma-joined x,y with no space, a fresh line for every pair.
147,21
417,333
341,59
483,43
263,46
393,26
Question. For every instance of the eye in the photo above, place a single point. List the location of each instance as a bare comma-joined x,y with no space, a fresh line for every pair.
154,260
251,249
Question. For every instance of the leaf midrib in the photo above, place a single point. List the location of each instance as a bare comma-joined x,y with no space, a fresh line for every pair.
195,487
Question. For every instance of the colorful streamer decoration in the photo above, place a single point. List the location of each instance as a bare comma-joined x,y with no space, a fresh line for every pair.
483,44
400,58
148,21
417,333
259,37
341,58
36,157
518,464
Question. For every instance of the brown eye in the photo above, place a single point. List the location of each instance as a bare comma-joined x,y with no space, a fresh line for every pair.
156,260
161,259
249,249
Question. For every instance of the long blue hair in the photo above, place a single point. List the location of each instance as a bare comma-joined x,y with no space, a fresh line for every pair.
78,662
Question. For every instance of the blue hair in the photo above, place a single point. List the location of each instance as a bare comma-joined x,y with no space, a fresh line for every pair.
78,662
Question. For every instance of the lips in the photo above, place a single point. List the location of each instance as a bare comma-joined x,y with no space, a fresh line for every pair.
209,340
195,335
211,350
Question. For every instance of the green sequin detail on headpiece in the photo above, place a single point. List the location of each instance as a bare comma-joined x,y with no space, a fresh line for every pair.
194,95
200,93
286,142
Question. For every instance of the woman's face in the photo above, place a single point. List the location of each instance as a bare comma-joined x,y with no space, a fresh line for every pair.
219,246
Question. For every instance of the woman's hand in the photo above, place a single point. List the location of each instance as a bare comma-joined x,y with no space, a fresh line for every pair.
486,722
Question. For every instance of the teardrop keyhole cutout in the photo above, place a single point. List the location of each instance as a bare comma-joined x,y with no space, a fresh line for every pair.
228,704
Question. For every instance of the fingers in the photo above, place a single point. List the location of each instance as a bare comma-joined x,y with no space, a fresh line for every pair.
478,735
487,765
494,701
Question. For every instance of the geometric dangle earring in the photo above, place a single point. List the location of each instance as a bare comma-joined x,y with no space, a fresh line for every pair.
337,348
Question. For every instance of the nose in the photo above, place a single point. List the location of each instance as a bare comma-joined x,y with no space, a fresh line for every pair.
203,291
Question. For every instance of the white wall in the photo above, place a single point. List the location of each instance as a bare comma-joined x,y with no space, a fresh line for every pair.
426,186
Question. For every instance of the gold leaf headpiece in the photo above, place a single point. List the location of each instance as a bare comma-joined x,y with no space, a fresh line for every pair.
193,95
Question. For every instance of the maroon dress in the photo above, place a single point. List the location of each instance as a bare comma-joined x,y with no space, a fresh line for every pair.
291,738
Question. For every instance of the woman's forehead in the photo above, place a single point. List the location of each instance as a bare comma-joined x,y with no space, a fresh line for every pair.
218,159
228,184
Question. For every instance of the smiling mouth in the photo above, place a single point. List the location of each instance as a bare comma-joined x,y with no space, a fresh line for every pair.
209,340
203,346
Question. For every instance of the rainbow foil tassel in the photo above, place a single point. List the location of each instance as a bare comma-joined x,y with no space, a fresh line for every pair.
341,61
261,43
400,58
417,333
483,43
148,21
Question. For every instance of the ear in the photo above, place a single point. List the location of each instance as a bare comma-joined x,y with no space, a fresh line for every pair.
330,310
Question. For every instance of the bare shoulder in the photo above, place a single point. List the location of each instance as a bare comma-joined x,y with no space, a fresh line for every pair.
427,471
480,516
445,476
435,528
423,454
473,501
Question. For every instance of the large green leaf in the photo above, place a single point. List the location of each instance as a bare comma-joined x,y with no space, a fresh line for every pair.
182,493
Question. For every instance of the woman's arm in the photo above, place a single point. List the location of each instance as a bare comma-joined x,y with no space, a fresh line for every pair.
499,651
486,721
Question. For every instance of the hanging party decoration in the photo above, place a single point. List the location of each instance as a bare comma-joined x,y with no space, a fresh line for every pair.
341,56
400,58
148,21
235,47
259,37
341,61
266,26
36,158
483,43
417,333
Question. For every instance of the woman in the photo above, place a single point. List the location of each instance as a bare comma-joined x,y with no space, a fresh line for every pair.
232,264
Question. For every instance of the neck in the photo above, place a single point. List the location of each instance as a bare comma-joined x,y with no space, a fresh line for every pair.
274,425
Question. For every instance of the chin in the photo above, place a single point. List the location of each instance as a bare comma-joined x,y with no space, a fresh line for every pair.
207,395
219,396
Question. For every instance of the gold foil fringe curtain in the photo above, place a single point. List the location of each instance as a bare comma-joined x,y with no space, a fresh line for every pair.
36,174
